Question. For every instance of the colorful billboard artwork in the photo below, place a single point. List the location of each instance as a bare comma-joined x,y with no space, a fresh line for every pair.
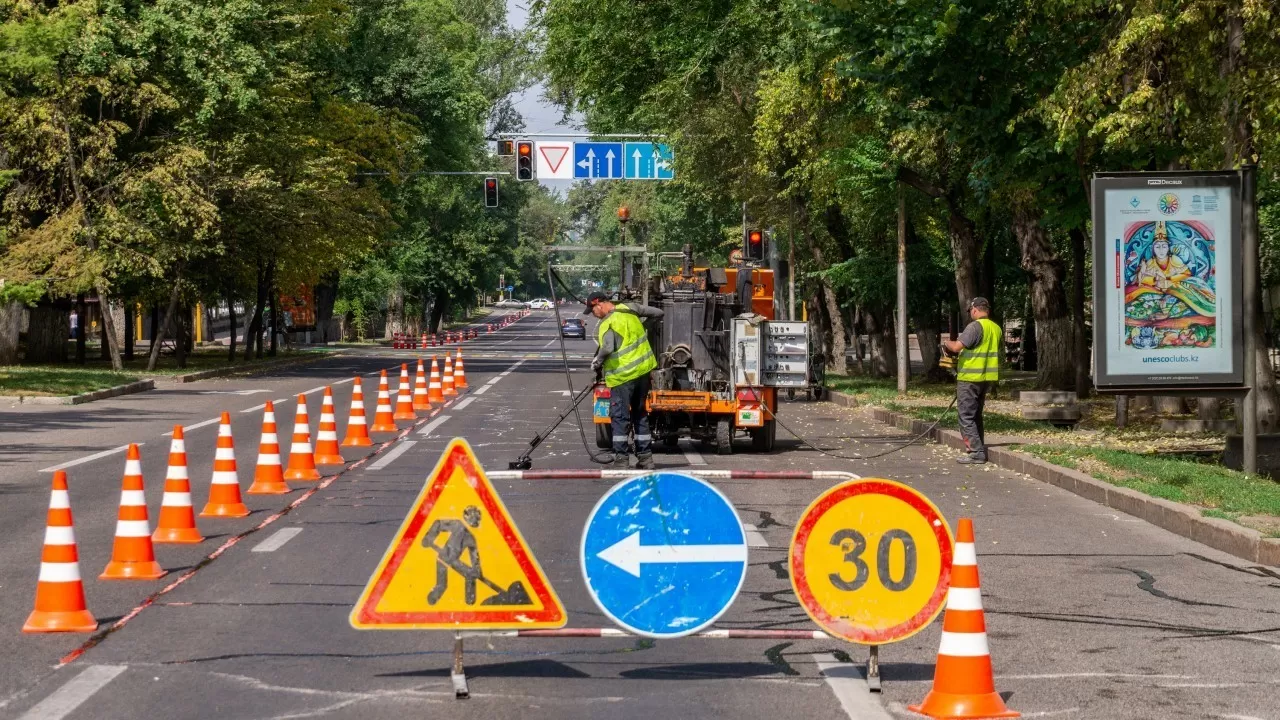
1170,285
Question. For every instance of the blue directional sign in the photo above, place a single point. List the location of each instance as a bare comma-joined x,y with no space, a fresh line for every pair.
664,554
597,160
648,161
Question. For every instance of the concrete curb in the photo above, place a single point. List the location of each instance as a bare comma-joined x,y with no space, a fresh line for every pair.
103,394
242,369
1177,518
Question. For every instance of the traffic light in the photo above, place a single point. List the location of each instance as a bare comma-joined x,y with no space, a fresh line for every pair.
524,160
491,192
753,244
506,148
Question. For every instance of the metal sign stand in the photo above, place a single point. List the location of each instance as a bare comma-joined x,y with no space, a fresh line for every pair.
459,673
873,669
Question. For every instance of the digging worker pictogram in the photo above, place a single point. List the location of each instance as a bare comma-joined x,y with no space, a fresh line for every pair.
449,556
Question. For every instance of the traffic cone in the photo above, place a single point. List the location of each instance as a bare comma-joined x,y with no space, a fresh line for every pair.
357,428
327,452
268,476
459,374
133,557
434,389
384,419
963,683
421,402
177,521
302,462
224,489
404,397
447,384
60,605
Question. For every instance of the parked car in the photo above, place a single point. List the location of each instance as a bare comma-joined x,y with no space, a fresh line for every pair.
573,327
508,304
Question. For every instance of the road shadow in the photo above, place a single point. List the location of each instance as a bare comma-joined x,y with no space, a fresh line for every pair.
514,669
702,671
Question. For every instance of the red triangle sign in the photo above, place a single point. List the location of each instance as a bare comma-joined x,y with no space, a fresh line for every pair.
458,561
554,155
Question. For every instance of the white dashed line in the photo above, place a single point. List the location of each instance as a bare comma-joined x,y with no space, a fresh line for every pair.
691,456
189,428
67,698
87,458
277,539
391,456
465,401
845,681
426,429
754,538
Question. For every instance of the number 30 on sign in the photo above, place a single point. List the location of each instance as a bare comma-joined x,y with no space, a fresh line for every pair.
871,561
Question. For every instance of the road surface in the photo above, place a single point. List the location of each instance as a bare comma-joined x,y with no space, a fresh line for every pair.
1090,613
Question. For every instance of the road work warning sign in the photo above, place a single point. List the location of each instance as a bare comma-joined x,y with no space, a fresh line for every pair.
458,561
871,561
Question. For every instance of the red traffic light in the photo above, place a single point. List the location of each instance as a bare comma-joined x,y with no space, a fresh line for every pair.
755,237
491,183
525,148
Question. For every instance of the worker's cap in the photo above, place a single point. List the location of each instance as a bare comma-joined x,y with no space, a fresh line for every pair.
980,303
593,300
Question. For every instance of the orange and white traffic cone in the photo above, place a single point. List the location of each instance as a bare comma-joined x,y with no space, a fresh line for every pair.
302,461
447,386
384,419
357,427
60,605
268,476
404,397
435,390
177,521
224,489
421,402
963,682
459,374
327,452
133,557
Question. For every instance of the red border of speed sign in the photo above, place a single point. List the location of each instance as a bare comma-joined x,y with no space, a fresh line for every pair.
839,626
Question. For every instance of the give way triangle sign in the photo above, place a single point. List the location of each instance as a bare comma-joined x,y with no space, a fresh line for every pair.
553,161
458,561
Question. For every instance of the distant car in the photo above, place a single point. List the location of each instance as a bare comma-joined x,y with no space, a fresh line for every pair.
574,327
508,304
541,304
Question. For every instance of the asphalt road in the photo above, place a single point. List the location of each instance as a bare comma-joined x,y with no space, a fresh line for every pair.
1090,614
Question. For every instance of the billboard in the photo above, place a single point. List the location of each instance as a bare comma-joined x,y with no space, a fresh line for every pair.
1167,291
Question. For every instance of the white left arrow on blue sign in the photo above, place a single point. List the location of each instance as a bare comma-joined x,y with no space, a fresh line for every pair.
628,554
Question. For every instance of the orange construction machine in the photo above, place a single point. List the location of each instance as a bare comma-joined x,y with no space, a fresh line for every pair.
721,357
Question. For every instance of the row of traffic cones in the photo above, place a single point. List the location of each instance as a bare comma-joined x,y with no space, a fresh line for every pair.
60,601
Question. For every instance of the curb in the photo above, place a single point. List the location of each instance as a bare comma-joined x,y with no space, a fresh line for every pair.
242,369
103,394
1177,518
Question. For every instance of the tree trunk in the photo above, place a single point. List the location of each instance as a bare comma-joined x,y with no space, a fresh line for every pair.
273,294
231,319
10,330
253,333
130,322
439,307
111,334
1055,357
855,329
838,363
181,334
395,313
1083,385
48,326
884,351
158,338
82,331
326,294
964,250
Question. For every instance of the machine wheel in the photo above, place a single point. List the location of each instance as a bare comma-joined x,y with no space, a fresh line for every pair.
763,438
604,436
671,441
724,437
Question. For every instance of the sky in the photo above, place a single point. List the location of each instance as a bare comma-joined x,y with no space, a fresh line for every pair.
539,115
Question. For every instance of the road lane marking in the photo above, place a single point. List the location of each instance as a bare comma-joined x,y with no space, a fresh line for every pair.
189,428
277,539
67,698
754,537
426,429
691,456
255,407
465,402
391,456
847,684
88,458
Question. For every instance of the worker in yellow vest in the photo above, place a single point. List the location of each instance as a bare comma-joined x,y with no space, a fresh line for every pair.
977,372
625,359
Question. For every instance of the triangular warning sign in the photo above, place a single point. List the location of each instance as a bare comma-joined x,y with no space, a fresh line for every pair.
458,561
554,155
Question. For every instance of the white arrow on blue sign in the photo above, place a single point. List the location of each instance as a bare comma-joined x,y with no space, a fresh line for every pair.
649,161
597,160
664,554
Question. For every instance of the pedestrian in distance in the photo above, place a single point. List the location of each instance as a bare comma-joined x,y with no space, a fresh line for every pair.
977,372
625,359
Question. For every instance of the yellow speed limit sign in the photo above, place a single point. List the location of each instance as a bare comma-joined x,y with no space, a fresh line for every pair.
871,561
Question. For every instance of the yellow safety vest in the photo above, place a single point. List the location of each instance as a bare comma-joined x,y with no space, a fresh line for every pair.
633,358
982,363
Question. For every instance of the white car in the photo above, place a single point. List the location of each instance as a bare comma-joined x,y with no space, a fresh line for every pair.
541,304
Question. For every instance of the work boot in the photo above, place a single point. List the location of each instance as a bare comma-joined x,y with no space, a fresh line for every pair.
645,461
973,459
620,461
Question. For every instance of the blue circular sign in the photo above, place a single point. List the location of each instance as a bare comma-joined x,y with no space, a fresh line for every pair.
664,554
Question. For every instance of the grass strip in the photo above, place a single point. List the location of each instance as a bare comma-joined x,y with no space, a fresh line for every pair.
40,380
